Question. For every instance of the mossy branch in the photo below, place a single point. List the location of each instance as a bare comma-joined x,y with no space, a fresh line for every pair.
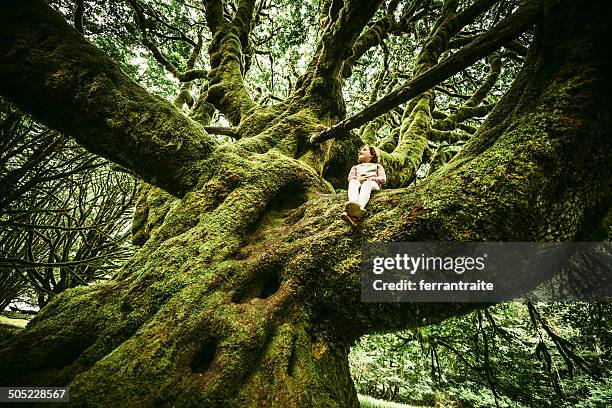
373,36
321,84
49,67
403,162
470,109
436,135
220,130
226,89
463,112
202,111
184,96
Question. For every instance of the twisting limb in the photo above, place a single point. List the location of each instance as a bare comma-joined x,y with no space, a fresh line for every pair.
451,93
226,89
403,162
184,96
484,89
442,155
375,34
464,112
337,42
220,130
439,116
382,28
321,84
470,108
499,35
447,135
202,111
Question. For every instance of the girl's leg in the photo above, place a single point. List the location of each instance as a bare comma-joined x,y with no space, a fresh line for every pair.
366,189
353,190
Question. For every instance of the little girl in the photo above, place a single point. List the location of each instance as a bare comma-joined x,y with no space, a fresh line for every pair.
364,177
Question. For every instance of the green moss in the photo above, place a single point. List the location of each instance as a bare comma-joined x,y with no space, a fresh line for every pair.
402,163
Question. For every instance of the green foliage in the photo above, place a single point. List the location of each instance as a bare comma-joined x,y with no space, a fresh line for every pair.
446,364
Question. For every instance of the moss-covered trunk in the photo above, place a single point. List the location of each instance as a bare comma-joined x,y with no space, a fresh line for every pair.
246,289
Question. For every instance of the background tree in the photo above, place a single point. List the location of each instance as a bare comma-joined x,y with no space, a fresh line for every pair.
246,288
64,214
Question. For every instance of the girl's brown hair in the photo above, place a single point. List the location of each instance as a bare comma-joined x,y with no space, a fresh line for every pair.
372,153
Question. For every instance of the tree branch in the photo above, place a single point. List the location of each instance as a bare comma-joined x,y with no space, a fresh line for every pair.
78,16
48,67
226,90
219,130
184,76
382,28
499,35
321,84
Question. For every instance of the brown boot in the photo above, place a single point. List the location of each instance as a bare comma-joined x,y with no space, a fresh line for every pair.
354,210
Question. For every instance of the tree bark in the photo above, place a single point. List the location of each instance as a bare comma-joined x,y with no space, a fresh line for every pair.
246,292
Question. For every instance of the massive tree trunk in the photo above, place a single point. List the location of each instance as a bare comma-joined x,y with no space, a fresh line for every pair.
246,289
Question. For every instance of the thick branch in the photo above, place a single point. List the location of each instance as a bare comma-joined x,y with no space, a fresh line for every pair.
499,35
48,69
184,96
463,112
337,42
219,130
226,90
321,85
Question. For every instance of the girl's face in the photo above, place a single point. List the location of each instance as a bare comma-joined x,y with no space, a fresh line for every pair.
364,155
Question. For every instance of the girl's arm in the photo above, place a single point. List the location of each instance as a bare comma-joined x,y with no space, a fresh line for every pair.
380,177
352,174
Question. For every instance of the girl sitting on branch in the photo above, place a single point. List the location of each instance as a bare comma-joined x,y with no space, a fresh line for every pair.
365,177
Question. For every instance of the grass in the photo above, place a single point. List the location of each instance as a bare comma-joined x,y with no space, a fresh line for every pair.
370,402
